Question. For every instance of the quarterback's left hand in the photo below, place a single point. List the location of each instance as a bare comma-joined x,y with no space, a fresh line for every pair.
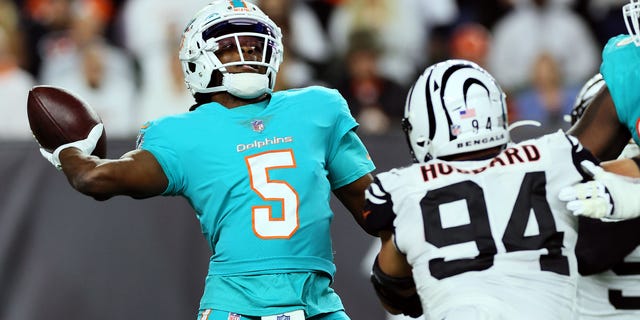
609,197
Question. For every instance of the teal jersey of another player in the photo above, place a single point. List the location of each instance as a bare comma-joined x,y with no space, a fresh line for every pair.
260,177
621,72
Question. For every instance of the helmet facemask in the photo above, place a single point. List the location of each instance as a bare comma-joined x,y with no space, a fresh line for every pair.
631,13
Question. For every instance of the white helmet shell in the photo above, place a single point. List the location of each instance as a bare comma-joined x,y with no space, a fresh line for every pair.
454,107
224,20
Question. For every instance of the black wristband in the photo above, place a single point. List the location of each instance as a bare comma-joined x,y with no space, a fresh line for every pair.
389,291
404,283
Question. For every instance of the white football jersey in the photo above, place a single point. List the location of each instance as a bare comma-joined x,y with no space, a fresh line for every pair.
491,233
615,293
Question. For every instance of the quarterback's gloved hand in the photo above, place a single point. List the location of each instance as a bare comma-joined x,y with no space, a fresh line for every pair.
86,146
609,197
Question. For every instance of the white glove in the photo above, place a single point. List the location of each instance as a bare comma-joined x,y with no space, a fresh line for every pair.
609,197
86,146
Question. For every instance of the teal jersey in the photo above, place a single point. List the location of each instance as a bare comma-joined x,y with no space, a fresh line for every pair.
621,72
260,178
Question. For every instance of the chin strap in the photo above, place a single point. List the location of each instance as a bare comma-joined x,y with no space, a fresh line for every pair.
246,85
522,123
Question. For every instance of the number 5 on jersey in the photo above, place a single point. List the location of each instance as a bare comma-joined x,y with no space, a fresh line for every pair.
265,225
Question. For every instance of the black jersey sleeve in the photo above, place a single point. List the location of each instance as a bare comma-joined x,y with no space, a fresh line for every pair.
580,153
378,212
602,245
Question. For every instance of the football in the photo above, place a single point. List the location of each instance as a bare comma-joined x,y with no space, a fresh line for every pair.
57,116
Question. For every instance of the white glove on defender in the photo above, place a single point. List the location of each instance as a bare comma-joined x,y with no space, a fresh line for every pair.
86,146
609,197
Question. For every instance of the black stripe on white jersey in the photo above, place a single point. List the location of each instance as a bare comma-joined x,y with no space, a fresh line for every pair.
579,154
378,209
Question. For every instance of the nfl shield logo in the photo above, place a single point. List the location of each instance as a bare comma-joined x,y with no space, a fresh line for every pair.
283,317
234,316
257,125
455,130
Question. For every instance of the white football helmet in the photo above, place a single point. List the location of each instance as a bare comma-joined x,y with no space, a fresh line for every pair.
454,107
631,13
585,96
229,20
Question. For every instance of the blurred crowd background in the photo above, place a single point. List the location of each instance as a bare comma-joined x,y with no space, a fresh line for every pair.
121,55
59,262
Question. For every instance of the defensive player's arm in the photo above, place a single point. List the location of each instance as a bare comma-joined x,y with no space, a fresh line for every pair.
602,245
392,280
137,174
352,196
391,261
624,167
599,128
609,196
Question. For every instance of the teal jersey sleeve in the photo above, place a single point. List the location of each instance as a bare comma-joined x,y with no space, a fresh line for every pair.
350,161
156,137
620,69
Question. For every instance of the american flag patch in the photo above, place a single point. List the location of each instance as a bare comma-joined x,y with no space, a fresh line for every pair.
467,113
234,316
257,125
283,317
